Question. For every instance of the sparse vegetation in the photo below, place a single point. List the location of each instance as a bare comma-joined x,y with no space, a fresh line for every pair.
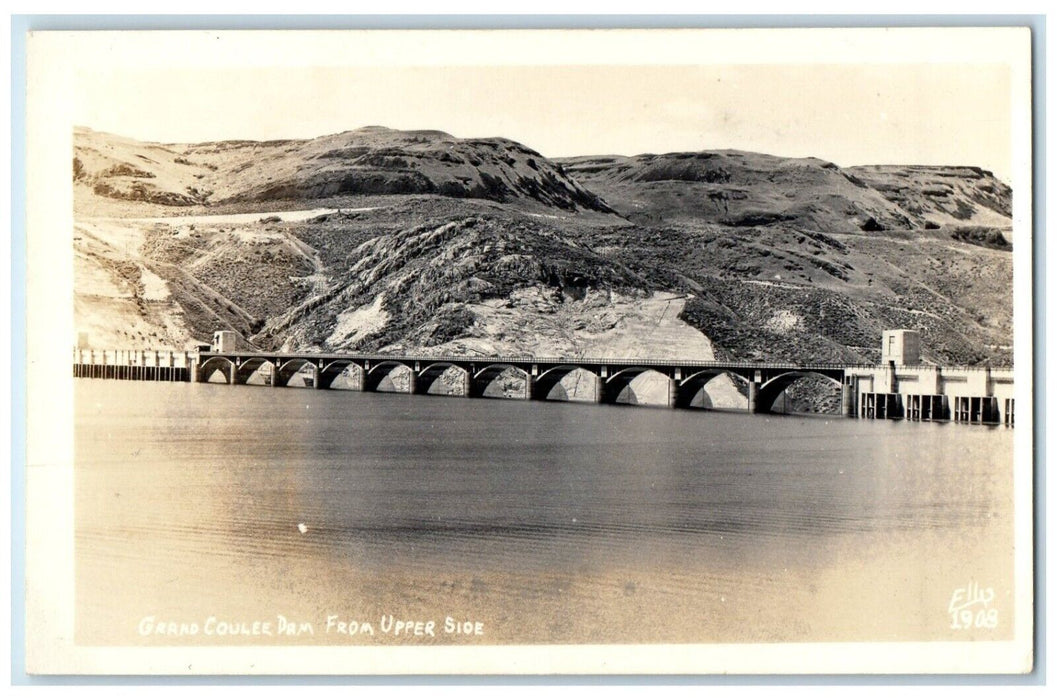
985,236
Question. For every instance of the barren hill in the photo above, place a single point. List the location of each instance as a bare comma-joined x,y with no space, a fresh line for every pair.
419,241
935,195
735,188
795,255
367,161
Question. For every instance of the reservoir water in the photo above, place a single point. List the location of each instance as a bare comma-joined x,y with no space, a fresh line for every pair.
209,506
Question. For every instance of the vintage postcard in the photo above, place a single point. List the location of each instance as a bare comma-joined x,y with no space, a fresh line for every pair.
530,352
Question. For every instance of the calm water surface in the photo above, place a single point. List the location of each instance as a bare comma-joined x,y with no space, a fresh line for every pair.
544,522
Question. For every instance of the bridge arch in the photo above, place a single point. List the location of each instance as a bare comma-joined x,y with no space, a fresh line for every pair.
428,381
618,387
552,381
330,372
214,364
392,370
488,375
769,391
249,366
286,371
696,384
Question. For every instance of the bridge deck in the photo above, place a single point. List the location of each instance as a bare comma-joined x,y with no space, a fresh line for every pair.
532,359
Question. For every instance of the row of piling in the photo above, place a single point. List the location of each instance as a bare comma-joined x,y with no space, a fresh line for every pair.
132,372
135,365
987,410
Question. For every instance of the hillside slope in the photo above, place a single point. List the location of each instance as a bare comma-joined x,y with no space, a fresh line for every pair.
735,188
935,195
793,257
727,254
367,161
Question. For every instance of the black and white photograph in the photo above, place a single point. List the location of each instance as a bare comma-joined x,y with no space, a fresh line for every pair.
534,351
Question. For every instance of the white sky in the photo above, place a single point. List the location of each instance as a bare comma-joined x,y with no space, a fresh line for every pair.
923,112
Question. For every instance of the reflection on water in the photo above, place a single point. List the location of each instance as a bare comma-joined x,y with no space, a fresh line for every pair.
547,523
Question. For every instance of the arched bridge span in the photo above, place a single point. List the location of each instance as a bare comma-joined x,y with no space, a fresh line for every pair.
603,380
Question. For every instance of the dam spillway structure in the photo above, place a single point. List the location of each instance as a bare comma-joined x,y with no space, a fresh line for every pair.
900,388
134,365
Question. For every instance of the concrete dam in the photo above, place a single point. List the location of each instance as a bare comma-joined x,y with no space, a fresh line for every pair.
898,388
